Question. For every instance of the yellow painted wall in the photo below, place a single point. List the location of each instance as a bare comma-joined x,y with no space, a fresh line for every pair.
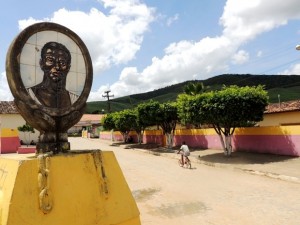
278,119
153,132
208,131
271,130
8,132
13,121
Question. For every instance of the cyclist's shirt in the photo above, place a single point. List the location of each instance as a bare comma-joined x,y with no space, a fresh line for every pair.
185,149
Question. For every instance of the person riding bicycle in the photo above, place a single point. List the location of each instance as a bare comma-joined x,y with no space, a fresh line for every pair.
184,151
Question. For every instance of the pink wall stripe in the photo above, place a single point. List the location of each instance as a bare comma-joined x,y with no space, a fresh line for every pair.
9,144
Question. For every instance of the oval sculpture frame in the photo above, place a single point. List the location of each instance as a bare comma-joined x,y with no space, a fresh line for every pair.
53,123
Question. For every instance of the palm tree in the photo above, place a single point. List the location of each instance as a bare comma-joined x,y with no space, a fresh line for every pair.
194,88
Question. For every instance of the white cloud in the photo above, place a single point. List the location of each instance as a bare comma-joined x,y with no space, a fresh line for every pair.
115,38
112,39
172,19
259,53
5,93
240,57
242,21
97,95
293,70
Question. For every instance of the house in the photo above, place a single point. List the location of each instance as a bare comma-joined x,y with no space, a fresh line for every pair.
282,114
91,123
10,120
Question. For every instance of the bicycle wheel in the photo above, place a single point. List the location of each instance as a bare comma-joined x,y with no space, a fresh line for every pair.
180,163
188,164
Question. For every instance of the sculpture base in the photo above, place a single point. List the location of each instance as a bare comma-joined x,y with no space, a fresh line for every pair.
78,188
53,147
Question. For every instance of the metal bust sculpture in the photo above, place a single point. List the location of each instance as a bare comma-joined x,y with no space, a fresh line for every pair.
51,92
49,72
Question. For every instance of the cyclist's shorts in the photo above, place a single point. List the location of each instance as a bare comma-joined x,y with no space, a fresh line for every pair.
186,153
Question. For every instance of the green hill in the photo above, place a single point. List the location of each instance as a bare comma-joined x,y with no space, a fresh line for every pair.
283,87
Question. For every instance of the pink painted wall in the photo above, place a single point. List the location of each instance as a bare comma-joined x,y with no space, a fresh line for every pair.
9,144
281,140
26,150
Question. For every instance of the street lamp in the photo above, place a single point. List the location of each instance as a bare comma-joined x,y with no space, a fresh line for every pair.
297,47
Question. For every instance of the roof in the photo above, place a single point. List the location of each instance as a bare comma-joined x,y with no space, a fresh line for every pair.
288,106
8,107
90,119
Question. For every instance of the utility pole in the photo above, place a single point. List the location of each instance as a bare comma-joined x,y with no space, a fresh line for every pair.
108,100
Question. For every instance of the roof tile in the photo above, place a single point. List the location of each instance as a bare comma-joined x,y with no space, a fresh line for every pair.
283,107
8,107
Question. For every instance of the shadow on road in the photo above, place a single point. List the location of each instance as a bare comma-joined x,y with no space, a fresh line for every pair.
242,158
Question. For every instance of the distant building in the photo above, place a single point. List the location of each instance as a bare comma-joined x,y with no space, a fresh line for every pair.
282,114
90,123
10,120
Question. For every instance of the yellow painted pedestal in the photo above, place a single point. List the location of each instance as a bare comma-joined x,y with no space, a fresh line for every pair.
83,188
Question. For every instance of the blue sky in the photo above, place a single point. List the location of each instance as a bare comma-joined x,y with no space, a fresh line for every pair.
141,45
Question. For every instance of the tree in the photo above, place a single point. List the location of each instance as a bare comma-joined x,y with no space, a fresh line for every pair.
124,122
138,125
190,109
147,113
167,119
194,88
234,107
183,102
108,122
27,129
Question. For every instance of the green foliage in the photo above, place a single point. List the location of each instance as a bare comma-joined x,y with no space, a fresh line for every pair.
26,128
147,113
190,108
125,120
194,88
108,122
167,117
235,106
183,108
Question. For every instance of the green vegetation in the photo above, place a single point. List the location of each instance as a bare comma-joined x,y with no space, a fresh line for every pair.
27,129
224,110
288,87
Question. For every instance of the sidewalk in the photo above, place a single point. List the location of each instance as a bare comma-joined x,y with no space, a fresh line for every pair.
274,166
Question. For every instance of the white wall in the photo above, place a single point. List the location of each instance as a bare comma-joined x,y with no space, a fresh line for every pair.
13,121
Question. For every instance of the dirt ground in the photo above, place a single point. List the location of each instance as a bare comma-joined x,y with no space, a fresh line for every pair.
167,194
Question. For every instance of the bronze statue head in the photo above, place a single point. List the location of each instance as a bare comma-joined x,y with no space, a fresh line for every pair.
55,61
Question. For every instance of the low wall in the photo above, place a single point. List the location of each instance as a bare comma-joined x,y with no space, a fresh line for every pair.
9,140
281,140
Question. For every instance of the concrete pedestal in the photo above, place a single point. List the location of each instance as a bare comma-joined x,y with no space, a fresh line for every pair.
82,188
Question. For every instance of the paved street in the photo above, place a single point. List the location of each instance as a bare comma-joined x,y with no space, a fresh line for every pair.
167,194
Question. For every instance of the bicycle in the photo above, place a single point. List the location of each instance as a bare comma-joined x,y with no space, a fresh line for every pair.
187,162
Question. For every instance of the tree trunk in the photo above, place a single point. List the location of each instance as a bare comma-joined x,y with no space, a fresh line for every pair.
125,137
112,135
169,138
139,137
226,144
222,143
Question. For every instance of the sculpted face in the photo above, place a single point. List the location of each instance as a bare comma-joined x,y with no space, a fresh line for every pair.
55,64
